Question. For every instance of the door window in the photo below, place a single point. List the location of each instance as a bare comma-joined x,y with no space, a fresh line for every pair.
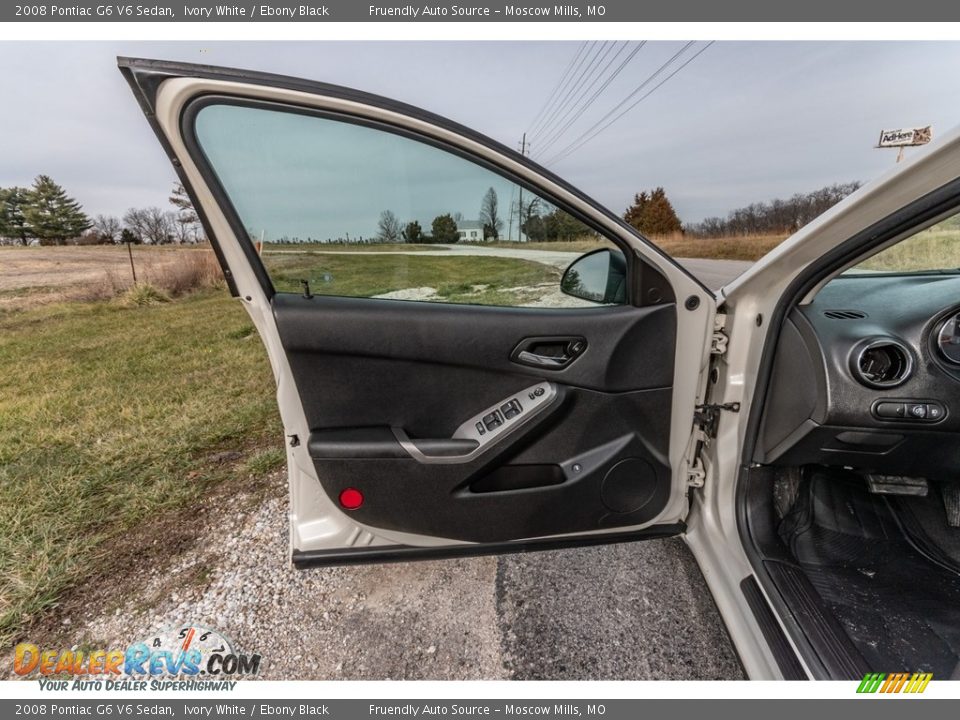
359,211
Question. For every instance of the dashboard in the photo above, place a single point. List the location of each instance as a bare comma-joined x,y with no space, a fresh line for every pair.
868,376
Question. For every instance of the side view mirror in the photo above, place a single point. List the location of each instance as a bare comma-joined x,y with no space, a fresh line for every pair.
599,276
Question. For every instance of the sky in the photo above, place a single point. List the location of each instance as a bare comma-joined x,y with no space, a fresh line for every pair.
743,122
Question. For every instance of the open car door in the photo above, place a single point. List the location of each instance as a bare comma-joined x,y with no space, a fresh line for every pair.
446,398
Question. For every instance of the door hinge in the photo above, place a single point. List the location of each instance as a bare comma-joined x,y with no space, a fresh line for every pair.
707,416
719,339
696,475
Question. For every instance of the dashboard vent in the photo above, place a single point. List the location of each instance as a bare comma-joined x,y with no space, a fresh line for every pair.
845,314
882,363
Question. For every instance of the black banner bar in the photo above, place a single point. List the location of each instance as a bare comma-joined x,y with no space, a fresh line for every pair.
480,11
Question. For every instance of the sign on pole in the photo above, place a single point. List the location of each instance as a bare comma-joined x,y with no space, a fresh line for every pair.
905,137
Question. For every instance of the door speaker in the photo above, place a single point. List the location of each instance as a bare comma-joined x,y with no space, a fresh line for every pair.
628,485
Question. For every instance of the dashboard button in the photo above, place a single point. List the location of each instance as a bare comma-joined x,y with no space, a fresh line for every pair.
917,411
890,410
934,411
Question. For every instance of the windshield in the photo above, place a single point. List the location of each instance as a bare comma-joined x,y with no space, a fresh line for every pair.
936,249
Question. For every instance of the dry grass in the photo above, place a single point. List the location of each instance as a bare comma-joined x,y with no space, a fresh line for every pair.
156,282
745,247
936,248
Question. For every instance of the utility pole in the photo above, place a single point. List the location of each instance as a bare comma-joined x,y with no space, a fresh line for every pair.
523,151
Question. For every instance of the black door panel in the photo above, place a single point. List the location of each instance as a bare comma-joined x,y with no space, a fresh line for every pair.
627,348
595,459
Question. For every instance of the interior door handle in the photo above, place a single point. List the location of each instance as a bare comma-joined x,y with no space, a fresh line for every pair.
554,363
548,353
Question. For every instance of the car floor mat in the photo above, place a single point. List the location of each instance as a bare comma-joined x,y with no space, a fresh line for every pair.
924,520
901,610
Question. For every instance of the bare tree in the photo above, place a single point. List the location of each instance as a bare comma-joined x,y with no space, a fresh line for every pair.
776,216
107,228
152,225
388,229
490,215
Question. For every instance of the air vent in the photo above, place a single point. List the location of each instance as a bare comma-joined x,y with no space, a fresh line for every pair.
845,314
882,363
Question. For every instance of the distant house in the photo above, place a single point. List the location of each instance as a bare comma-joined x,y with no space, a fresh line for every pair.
470,231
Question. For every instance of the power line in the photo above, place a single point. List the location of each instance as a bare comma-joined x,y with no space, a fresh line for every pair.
548,142
633,93
584,67
594,130
569,100
554,94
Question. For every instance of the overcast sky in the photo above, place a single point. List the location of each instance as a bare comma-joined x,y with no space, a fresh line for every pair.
743,122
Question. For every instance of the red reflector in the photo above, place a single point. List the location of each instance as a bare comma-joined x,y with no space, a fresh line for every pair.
351,498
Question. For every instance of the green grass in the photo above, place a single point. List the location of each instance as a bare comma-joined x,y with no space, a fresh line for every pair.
108,416
365,276
936,248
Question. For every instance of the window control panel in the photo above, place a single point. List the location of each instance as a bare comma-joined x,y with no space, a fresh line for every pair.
909,410
508,414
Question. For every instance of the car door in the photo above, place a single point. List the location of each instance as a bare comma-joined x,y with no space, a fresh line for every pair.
438,398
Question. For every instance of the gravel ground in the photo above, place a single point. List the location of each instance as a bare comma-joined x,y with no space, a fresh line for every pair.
632,611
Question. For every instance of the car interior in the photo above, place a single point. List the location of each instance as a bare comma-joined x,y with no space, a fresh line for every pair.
852,498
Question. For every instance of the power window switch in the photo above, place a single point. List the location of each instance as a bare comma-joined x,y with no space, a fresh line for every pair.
481,430
511,409
493,420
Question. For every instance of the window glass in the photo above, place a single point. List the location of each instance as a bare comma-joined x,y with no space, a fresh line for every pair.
362,212
935,249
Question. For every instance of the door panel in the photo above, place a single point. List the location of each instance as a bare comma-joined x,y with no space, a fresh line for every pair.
419,429
426,369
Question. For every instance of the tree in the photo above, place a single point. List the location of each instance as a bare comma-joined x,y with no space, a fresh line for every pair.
107,229
444,229
653,213
187,222
128,236
388,229
53,216
413,233
778,216
490,215
151,225
13,224
181,201
554,226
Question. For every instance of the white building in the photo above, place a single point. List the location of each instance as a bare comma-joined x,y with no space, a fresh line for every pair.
470,231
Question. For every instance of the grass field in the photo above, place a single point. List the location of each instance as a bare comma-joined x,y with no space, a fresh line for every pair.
111,416
936,248
476,280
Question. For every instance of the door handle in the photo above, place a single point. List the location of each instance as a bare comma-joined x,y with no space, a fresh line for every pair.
548,353
545,361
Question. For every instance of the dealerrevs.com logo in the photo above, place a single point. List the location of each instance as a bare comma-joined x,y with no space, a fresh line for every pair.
892,683
188,652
